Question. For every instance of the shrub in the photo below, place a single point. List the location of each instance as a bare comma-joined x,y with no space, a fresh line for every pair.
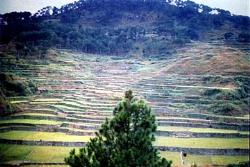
211,92
12,86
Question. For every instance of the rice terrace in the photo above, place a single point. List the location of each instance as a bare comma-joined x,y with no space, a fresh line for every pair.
199,93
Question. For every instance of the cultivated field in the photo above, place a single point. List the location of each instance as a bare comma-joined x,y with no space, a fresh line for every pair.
78,91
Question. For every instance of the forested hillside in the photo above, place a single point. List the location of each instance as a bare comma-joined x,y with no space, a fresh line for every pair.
145,27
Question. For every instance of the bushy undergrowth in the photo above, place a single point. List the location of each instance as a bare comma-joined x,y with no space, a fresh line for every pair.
5,106
232,101
211,92
216,79
228,108
12,86
244,164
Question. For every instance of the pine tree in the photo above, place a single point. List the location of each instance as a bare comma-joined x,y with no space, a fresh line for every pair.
124,141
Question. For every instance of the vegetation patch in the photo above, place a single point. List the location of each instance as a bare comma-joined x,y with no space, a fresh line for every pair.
56,154
232,101
42,136
48,100
33,153
18,101
202,160
203,142
30,121
5,105
36,114
198,130
13,86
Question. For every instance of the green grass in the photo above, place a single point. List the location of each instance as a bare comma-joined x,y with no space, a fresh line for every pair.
221,160
198,130
45,136
218,143
204,159
48,100
245,117
18,101
43,102
56,154
31,121
20,98
33,153
36,114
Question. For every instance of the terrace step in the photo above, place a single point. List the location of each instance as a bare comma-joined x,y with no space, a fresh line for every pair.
88,91
241,127
55,118
80,132
199,151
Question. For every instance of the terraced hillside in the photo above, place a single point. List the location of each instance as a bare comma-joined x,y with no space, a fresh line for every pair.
78,91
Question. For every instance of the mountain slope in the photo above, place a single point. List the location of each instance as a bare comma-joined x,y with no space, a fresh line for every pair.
155,27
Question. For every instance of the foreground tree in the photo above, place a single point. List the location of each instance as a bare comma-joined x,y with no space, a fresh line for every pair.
124,141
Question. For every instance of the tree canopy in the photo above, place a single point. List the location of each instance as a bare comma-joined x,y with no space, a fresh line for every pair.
124,141
116,27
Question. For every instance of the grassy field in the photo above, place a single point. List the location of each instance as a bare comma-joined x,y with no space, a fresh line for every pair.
57,154
45,136
198,130
48,100
203,160
19,101
31,121
37,114
218,143
33,153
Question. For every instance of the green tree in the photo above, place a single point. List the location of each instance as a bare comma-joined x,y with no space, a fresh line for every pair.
124,141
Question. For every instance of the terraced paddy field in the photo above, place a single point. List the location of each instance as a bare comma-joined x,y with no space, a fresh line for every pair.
77,92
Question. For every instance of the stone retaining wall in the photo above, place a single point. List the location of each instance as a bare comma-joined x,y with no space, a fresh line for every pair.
200,135
205,151
203,116
92,127
43,143
243,127
234,126
54,118
180,134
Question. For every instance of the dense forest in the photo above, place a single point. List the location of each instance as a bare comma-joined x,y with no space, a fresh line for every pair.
148,27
